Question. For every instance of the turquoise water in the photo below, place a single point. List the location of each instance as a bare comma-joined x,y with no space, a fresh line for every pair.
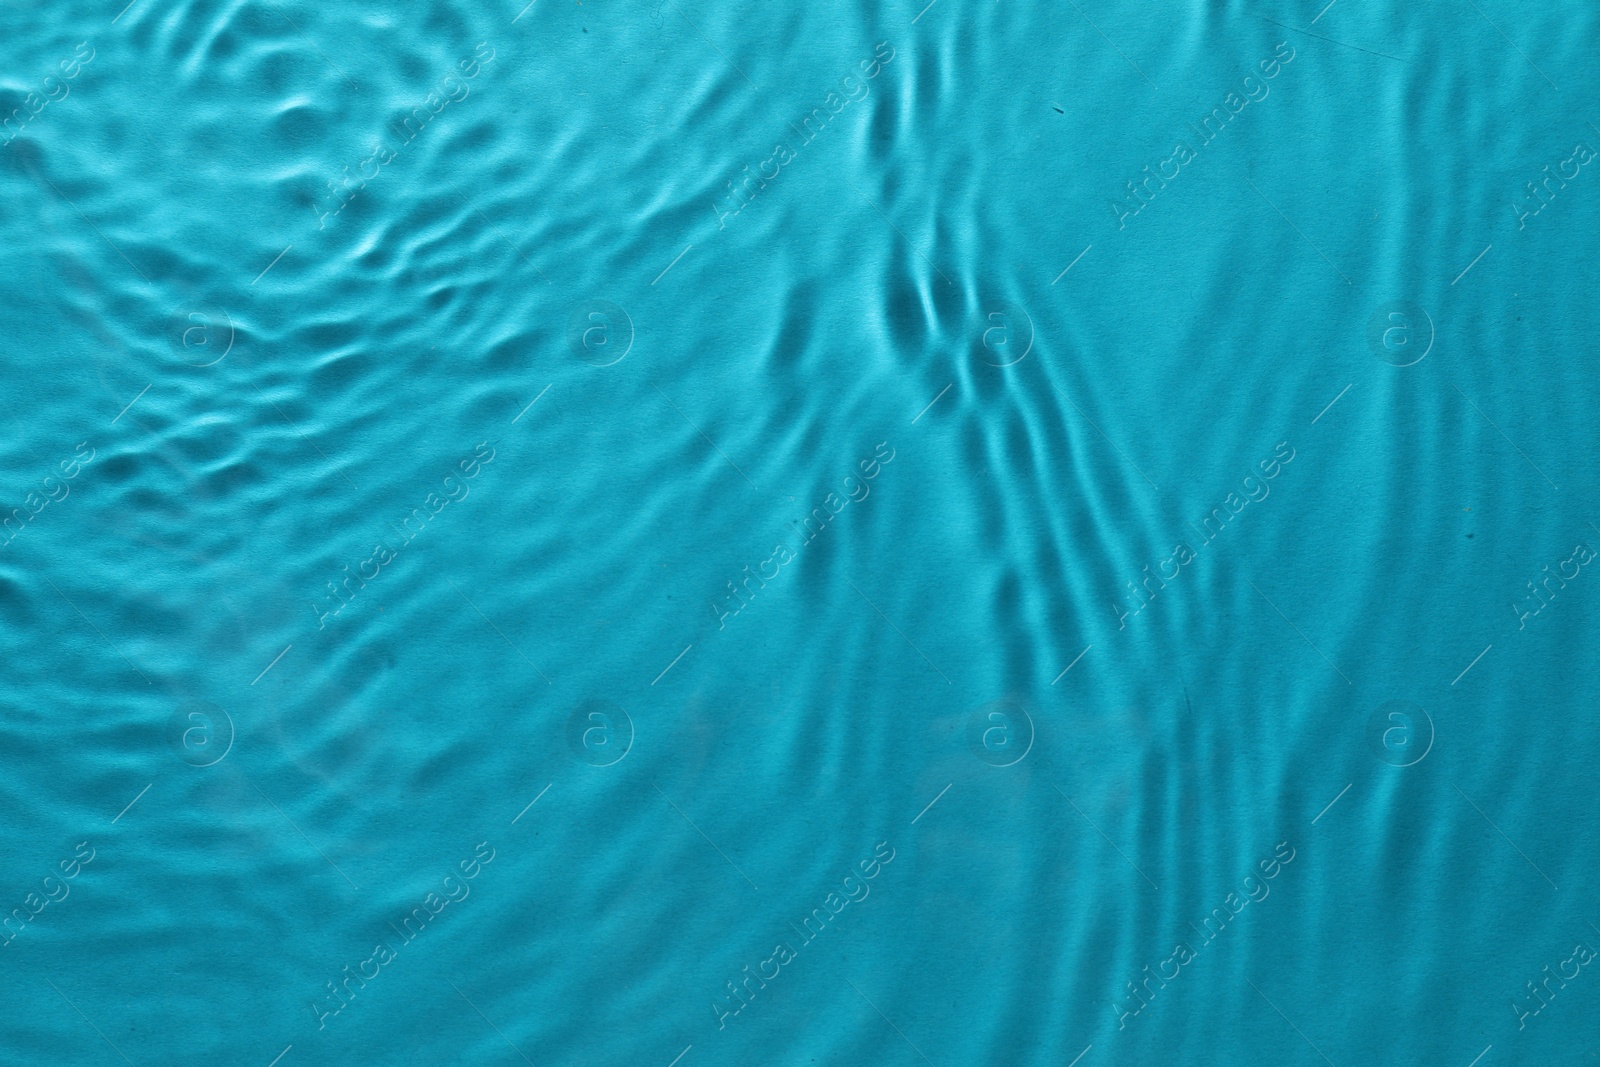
671,534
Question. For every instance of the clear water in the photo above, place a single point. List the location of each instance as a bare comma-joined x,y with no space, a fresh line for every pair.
664,533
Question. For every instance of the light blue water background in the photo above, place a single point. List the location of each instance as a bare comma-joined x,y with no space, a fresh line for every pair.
986,533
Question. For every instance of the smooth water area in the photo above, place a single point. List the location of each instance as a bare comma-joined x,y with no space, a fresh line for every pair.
680,535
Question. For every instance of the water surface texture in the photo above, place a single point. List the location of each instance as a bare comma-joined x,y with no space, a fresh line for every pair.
664,533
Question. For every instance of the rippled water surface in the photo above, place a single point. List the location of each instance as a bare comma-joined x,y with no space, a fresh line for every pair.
681,534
